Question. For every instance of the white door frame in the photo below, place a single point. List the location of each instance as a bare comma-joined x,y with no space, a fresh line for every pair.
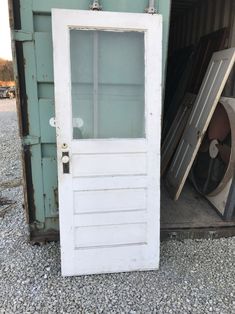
138,257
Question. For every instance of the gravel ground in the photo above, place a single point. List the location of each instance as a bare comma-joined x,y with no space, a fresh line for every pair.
194,277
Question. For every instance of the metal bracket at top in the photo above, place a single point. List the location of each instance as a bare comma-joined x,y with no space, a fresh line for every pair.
31,140
151,8
95,6
19,35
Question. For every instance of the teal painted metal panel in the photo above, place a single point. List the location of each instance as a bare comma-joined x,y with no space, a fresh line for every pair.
49,150
44,57
46,112
49,165
46,90
36,20
42,23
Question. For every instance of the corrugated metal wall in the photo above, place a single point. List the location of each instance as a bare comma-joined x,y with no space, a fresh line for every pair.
192,19
202,18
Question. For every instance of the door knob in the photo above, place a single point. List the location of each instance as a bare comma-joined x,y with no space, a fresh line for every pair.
65,159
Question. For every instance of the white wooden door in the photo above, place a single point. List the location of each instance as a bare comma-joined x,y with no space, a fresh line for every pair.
107,71
176,130
212,87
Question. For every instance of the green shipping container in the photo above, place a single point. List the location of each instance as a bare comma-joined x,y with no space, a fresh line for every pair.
32,35
189,23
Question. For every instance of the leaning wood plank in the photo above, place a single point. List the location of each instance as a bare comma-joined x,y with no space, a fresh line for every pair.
213,84
176,130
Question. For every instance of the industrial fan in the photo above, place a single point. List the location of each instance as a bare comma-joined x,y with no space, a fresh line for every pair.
213,168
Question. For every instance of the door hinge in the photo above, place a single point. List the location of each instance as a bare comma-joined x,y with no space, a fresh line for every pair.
95,6
151,8
31,140
19,35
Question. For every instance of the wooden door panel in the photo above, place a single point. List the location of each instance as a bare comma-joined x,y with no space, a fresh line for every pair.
110,197
176,130
215,79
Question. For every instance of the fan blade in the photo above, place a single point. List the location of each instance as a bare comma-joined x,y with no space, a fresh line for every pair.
225,152
219,126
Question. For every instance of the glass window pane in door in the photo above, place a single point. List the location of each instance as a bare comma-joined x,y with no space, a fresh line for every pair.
108,92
